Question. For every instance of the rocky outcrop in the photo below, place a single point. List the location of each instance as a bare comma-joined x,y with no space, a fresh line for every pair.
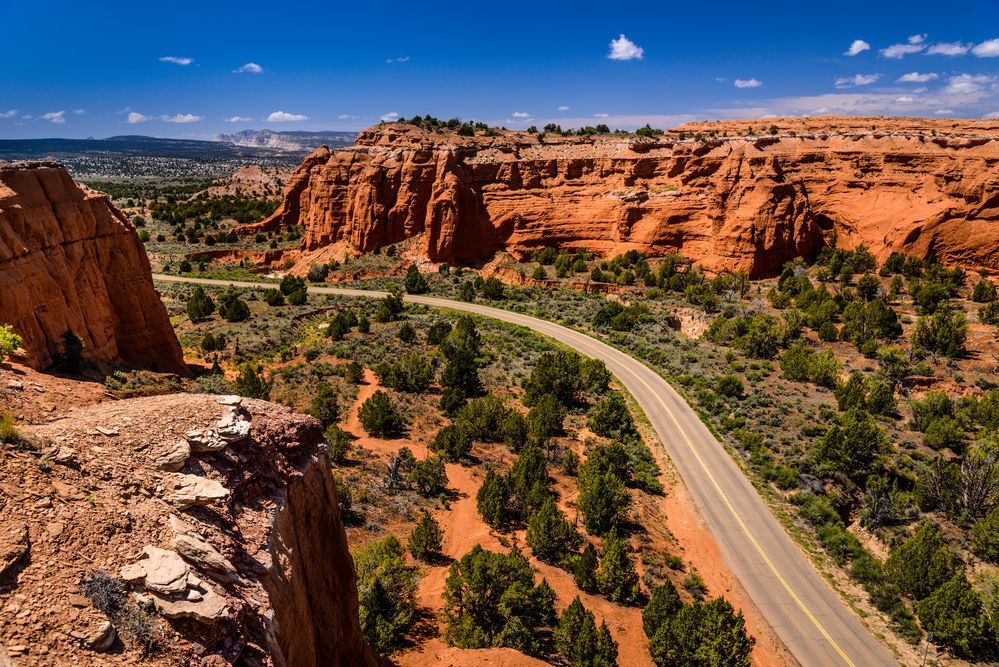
255,573
71,260
728,202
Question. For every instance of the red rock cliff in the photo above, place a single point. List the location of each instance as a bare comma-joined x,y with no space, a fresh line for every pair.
70,260
734,202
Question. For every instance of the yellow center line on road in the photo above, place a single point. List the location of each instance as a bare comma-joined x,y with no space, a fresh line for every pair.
731,508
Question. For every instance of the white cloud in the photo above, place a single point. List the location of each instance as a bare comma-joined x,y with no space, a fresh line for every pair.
390,117
285,117
563,108
993,115
79,112
346,116
238,119
747,83
134,117
249,68
987,49
948,49
400,59
176,60
944,112
858,46
857,80
601,115
181,118
9,114
916,77
915,45
623,48
966,84
57,117
904,100
521,114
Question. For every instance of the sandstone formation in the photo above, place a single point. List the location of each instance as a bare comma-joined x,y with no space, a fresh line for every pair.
257,575
70,260
728,202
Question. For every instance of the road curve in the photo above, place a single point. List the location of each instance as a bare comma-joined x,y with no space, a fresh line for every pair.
806,613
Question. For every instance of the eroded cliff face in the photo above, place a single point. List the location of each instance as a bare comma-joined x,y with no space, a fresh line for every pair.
729,203
219,513
70,260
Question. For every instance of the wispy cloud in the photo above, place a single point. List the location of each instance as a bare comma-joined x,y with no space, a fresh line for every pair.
57,117
987,49
623,48
8,114
79,112
238,119
857,80
948,49
917,77
601,115
520,114
915,44
176,60
181,118
904,100
135,117
994,115
747,83
346,116
249,68
562,108
285,117
400,59
858,46
390,117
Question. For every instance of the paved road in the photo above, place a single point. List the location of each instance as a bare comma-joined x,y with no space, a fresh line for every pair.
799,604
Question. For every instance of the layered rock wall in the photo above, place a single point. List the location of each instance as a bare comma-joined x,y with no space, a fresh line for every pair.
70,260
728,202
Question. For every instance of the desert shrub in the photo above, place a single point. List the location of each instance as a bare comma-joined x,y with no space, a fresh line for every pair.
493,500
984,291
231,307
9,433
610,417
922,563
109,594
339,443
662,606
9,341
70,356
955,615
325,406
452,401
616,576
425,539
855,446
386,591
438,332
490,599
290,284
729,386
211,342
550,534
579,641
379,416
389,308
273,297
453,442
944,332
250,382
801,363
429,476
412,373
989,313
984,536
603,499
545,419
944,432
415,283
703,633
556,374
932,406
200,306
461,349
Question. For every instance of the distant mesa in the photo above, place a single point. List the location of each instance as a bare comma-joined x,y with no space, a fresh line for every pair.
288,141
730,195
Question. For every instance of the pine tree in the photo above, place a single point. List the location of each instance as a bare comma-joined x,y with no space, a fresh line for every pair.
617,578
425,540
415,282
576,635
605,653
663,605
324,405
200,306
493,500
549,533
379,416
584,572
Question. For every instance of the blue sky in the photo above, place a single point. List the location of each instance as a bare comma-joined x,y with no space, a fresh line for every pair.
194,69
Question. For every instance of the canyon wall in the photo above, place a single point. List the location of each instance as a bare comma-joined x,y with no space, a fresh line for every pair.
727,202
71,260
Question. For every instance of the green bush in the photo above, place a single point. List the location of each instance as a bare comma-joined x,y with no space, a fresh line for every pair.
200,306
324,406
710,633
379,416
545,419
9,433
412,373
339,443
425,539
922,563
580,643
250,382
9,341
232,308
616,576
550,535
453,442
415,283
429,476
273,297
662,606
386,591
490,600
984,536
610,417
954,614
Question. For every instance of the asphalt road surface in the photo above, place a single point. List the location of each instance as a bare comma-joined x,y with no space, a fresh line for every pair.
806,613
